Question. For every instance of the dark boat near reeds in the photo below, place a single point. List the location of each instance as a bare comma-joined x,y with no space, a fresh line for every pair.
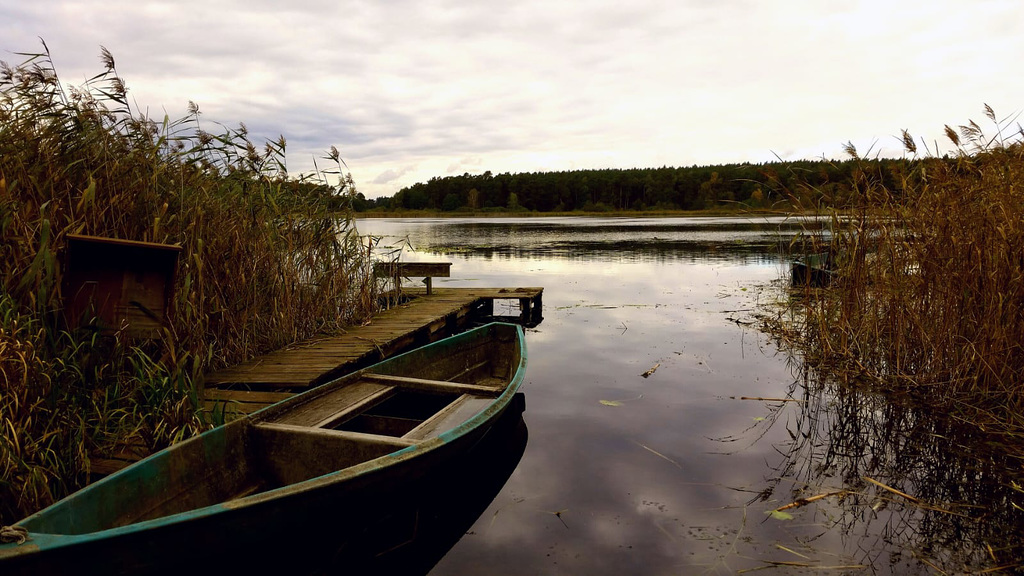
814,270
298,486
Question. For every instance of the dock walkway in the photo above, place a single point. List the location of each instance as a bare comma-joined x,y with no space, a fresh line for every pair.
252,385
268,379
273,377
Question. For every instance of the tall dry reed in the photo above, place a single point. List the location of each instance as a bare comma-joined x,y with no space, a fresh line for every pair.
928,291
266,259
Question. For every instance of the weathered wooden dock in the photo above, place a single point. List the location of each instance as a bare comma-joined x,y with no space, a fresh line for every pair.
252,385
424,318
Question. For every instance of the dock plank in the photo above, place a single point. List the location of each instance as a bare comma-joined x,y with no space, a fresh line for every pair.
307,364
260,382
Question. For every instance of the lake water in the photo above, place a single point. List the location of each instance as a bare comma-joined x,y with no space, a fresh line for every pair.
678,472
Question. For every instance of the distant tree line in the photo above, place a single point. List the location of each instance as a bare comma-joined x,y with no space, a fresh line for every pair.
809,183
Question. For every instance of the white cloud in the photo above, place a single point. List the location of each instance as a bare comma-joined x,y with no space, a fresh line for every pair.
390,175
555,85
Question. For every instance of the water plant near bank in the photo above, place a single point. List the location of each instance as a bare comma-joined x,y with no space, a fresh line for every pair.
266,259
857,463
927,296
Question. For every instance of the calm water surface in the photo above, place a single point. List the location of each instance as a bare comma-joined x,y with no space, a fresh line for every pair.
678,472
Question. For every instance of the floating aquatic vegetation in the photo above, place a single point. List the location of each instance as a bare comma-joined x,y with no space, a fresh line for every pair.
651,371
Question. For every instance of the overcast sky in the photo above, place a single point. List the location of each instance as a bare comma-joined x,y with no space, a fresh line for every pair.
412,89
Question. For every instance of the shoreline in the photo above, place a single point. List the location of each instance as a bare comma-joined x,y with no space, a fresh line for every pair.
580,214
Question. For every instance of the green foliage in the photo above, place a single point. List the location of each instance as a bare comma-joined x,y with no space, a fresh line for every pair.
266,259
41,448
809,184
451,202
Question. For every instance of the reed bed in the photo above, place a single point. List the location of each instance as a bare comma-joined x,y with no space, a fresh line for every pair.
266,259
927,297
917,489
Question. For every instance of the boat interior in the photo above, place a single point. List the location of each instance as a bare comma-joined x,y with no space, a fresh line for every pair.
372,416
343,423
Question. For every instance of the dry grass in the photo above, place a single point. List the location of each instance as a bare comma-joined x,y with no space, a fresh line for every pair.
928,297
266,259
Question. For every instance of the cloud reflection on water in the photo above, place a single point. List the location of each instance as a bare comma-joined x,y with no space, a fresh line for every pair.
641,489
667,481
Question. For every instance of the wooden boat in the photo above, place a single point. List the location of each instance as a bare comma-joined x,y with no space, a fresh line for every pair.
423,528
814,270
292,486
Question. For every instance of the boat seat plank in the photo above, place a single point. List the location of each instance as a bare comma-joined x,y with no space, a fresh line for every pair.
328,407
459,411
291,454
325,433
432,385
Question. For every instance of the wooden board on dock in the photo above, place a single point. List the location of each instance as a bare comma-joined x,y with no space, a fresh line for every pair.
269,379
422,320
